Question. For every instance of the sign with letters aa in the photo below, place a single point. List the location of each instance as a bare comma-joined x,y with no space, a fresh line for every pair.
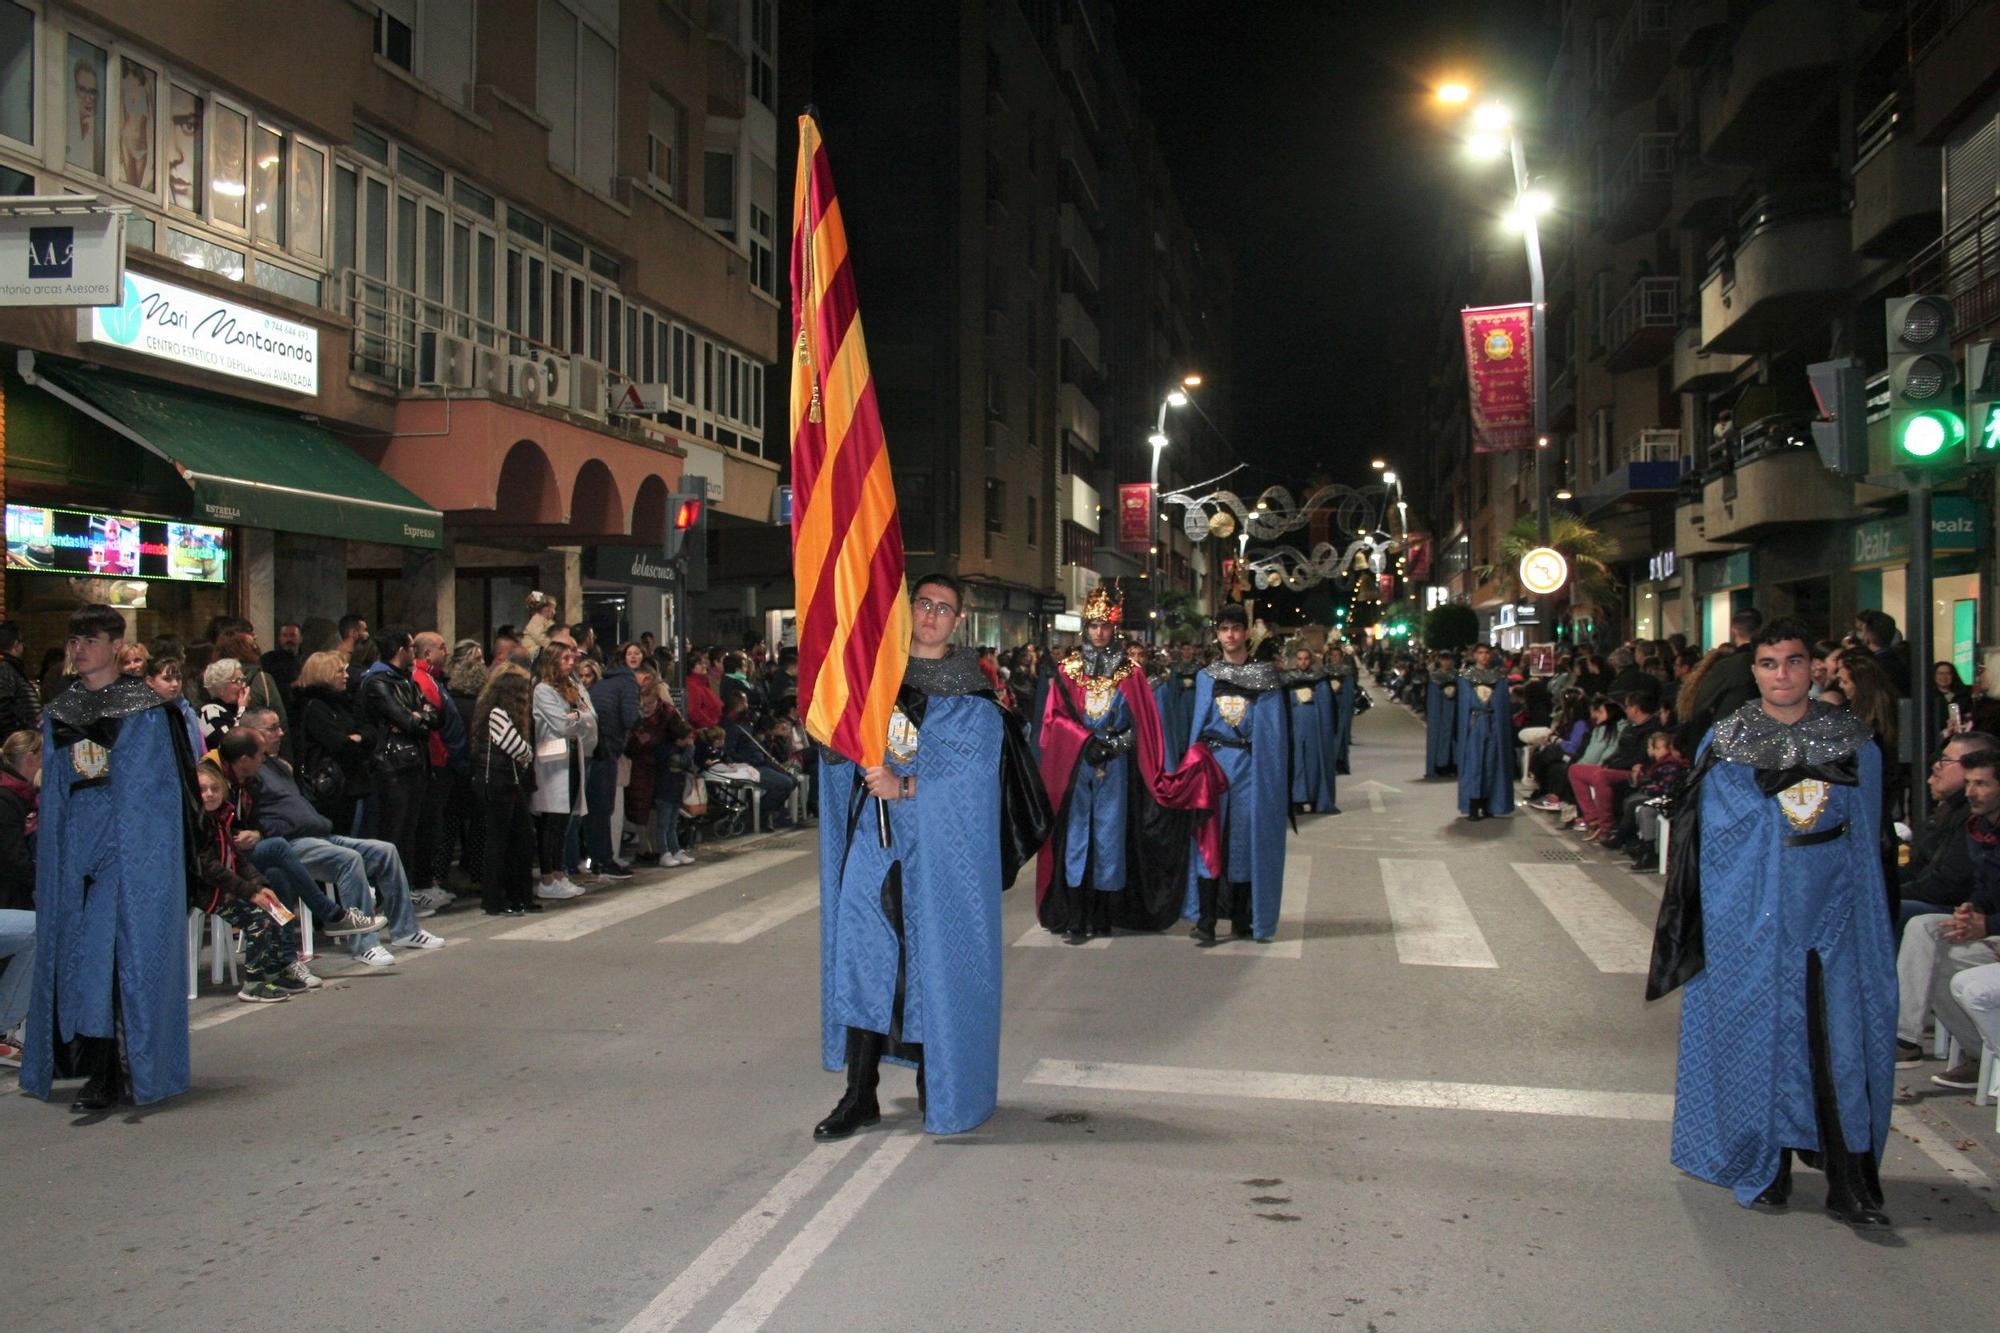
62,259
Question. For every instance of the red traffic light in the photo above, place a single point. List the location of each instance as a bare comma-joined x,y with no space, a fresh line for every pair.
687,513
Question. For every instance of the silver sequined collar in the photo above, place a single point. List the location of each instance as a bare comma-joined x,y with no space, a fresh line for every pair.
1753,737
957,672
1249,676
79,707
1483,676
1307,677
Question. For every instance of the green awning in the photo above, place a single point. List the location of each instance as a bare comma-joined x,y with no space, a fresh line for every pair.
249,465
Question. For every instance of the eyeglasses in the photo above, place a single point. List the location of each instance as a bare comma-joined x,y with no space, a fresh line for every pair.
924,606
1944,761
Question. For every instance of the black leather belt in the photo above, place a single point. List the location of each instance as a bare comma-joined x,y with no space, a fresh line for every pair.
1816,837
1225,742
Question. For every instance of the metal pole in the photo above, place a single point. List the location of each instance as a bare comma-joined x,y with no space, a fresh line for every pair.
1153,529
1538,308
1917,613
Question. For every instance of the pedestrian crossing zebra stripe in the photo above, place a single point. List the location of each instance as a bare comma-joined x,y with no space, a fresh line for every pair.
1610,937
1434,927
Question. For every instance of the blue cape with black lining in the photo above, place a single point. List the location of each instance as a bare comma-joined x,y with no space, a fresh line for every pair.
1315,740
1253,810
1485,742
1345,692
1175,695
1440,725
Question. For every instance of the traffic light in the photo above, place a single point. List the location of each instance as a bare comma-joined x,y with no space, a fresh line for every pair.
1926,423
1841,433
1982,399
683,520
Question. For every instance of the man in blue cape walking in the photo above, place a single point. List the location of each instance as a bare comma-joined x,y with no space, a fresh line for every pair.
1344,681
1772,919
910,923
1315,735
110,983
1174,693
1485,739
1441,718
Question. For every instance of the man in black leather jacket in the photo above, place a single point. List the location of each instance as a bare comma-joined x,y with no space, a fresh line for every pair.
20,701
400,721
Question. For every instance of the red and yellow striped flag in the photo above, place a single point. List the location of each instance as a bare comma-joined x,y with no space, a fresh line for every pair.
847,543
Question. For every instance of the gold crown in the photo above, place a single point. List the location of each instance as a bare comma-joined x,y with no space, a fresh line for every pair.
1100,605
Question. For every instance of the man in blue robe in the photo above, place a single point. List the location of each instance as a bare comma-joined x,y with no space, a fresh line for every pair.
1345,684
1239,717
1772,919
1315,735
1175,695
110,983
910,930
1441,718
1485,739
1088,731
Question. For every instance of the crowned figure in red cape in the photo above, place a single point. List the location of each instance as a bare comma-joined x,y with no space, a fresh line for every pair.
1118,856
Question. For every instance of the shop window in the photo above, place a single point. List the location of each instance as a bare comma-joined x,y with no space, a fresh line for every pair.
229,152
138,126
17,73
203,254
84,96
186,140
285,282
267,205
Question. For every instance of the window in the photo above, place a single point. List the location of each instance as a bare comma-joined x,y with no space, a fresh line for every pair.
1033,522
763,228
17,73
197,253
229,152
996,506
308,199
576,91
267,181
84,121
663,146
763,43
394,40
996,397
718,192
138,108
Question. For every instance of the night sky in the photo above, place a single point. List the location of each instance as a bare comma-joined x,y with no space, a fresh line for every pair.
1302,135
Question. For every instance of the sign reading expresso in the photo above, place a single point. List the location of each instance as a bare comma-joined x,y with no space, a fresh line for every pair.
69,541
198,329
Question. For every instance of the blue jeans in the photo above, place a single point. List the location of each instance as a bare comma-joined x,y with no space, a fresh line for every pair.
289,877
354,866
17,949
667,825
600,793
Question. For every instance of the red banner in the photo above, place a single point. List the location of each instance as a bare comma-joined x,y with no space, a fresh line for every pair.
1135,517
1499,368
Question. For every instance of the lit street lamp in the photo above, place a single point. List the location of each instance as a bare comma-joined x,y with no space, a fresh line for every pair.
1176,397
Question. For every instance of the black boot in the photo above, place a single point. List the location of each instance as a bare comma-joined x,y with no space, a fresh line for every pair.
1778,1194
1100,913
857,1108
1206,891
923,1096
105,1086
1239,909
1079,906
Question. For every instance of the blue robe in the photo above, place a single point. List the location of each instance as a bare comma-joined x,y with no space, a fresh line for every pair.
1345,696
1315,743
947,840
1175,695
1098,808
1744,1088
1440,727
111,894
1253,822
1485,747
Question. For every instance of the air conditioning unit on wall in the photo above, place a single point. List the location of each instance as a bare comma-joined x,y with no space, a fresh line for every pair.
525,379
590,385
446,361
555,379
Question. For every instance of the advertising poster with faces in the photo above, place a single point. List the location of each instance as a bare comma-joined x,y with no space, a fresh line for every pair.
138,94
308,173
86,106
267,213
227,187
184,145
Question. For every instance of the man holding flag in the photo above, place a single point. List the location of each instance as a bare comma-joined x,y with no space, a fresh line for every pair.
916,842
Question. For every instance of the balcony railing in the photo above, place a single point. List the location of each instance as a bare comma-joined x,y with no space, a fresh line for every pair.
1638,52
1640,328
1655,444
1637,195
1964,264
1878,128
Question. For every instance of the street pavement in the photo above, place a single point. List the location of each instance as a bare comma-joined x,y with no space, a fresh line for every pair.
1437,1100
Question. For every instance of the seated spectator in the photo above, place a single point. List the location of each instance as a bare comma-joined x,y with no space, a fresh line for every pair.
708,746
1940,874
17,956
1596,786
704,706
1973,1014
233,890
741,746
222,683
1607,728
336,762
260,688
20,765
1548,762
1935,948
1657,788
736,684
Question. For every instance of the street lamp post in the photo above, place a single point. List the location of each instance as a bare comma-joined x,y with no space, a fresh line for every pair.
1175,397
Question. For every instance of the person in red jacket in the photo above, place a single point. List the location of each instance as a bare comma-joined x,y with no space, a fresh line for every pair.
704,705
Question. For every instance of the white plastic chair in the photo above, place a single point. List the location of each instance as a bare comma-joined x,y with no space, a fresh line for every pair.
306,954
1664,835
221,948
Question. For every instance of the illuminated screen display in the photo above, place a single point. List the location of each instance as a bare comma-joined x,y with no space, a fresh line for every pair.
69,541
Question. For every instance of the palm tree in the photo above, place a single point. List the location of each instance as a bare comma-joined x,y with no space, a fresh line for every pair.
1591,578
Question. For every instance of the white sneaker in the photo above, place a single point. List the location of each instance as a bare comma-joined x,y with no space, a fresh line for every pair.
423,904
683,858
298,971
423,939
555,889
376,956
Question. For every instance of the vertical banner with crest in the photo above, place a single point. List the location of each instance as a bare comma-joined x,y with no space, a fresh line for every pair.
1135,517
1499,371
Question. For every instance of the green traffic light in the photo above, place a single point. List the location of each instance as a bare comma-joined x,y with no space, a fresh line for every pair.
1989,430
1928,434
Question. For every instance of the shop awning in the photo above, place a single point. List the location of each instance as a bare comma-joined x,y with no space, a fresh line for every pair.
254,466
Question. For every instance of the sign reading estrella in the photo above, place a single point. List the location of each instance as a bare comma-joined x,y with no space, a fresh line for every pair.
1499,369
197,329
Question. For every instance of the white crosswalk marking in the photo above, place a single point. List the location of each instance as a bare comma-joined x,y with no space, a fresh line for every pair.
753,918
574,922
1434,927
1611,937
1039,937
1290,940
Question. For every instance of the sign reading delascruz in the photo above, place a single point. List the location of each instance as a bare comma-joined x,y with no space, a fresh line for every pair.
198,329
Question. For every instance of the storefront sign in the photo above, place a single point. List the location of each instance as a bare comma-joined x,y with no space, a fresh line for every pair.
61,258
706,462
1886,541
1543,570
1135,513
1719,575
635,565
1068,622
1661,567
196,329
1499,368
115,546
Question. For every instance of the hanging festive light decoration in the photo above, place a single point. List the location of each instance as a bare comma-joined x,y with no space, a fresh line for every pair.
1360,520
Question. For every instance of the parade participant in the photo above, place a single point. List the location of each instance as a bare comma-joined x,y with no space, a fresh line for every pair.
1345,683
1239,720
914,855
1772,919
1119,816
1315,735
1441,719
1485,743
1175,696
111,878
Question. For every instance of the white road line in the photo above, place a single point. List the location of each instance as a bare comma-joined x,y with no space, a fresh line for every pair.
221,1016
1609,936
571,923
1956,1164
776,1282
1424,1093
1434,927
1290,940
753,918
1039,937
726,1251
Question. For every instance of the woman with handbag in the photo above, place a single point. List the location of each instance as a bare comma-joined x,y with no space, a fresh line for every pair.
565,731
503,776
335,771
